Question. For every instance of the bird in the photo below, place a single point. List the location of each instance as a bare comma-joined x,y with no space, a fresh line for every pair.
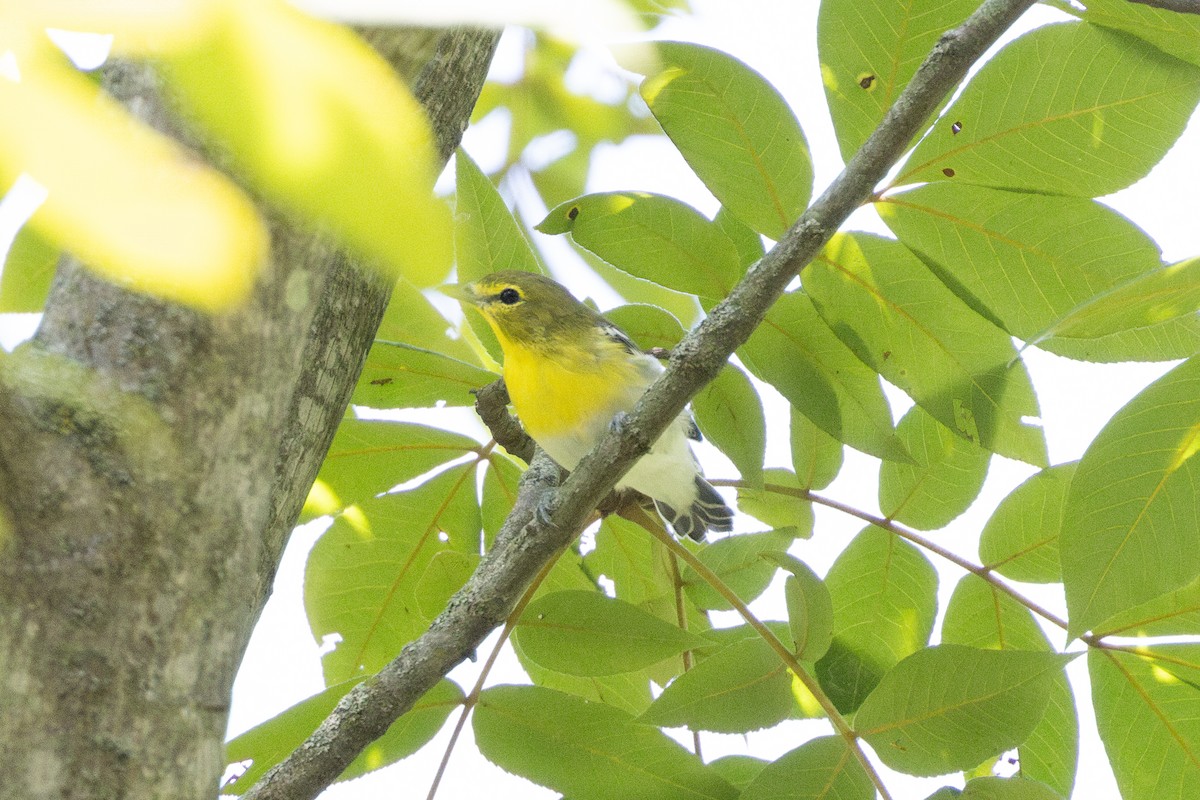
571,374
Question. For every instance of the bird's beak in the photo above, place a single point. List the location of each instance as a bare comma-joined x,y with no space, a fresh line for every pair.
463,292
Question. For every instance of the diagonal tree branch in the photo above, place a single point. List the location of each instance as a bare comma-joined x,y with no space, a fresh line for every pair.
529,539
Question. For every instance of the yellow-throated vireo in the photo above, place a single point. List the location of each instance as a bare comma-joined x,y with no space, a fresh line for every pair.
570,372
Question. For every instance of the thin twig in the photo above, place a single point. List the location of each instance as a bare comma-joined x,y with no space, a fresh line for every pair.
473,698
987,573
788,657
904,533
933,547
682,620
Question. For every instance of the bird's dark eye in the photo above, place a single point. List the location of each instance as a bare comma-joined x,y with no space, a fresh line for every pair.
510,296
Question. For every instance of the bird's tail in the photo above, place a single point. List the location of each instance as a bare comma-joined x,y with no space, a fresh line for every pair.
708,513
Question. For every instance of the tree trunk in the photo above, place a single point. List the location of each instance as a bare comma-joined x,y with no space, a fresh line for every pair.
153,460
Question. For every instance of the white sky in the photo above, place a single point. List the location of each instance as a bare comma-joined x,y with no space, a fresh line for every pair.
777,38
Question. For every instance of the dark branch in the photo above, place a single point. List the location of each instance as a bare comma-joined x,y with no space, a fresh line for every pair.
491,404
528,542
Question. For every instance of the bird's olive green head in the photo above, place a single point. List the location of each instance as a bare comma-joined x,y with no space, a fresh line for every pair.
528,309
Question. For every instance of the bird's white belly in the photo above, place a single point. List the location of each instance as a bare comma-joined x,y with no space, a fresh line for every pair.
667,473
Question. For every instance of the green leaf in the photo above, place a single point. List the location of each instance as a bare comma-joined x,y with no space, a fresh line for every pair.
820,769
683,306
810,612
649,326
402,376
645,573
778,502
1020,540
736,131
317,119
903,323
446,573
1128,532
1149,719
949,707
884,595
411,319
944,481
991,788
730,415
980,615
816,456
748,243
28,269
638,566
1174,663
655,11
739,562
628,691
486,237
1164,295
653,237
568,573
737,769
587,750
1169,31
1176,613
1032,263
362,575
794,351
741,688
869,50
371,456
1124,107
1051,753
1175,338
586,633
270,742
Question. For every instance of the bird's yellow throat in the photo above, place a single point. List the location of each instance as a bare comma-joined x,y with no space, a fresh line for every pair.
560,392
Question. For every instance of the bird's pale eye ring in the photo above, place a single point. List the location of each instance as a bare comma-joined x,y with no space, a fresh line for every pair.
510,296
